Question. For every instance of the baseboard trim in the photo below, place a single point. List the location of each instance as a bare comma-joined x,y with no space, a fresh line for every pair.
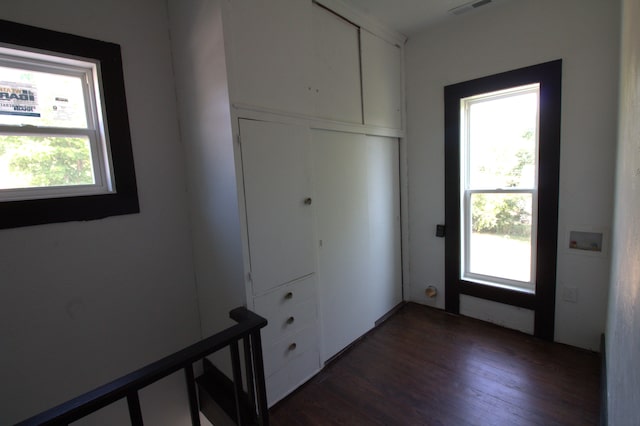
389,314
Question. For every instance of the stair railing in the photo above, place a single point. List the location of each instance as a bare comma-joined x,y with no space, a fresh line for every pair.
247,330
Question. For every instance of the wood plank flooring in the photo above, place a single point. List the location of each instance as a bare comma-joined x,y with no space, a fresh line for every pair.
426,367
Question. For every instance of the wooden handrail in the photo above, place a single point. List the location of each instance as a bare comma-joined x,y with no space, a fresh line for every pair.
248,327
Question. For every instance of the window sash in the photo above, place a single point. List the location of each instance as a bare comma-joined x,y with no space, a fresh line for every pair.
86,72
466,226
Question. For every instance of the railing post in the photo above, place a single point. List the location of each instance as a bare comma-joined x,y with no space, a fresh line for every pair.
135,413
248,364
261,390
237,379
193,395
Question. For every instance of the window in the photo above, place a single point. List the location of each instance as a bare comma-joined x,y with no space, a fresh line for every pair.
502,156
65,148
52,141
499,133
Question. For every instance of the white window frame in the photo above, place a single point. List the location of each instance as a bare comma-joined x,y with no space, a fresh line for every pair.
96,130
466,191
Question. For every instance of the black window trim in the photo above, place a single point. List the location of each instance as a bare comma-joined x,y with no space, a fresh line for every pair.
549,75
85,207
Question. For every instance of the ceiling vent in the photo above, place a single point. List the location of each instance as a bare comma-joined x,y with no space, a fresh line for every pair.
459,10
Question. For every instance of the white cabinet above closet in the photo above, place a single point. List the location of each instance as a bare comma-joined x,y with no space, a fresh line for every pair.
336,87
381,81
301,58
270,50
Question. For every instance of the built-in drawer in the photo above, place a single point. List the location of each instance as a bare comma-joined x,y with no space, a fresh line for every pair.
290,341
288,309
287,321
298,370
279,354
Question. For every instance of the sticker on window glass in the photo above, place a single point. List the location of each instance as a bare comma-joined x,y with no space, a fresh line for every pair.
18,99
62,109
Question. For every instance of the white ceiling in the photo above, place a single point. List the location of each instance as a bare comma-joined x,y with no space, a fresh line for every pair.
411,16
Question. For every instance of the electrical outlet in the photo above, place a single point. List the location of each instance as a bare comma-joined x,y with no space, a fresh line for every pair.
570,294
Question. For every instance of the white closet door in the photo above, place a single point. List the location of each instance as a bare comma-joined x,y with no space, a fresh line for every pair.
357,209
385,267
340,178
277,195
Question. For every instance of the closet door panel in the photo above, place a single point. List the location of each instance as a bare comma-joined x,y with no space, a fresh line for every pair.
277,197
340,181
385,277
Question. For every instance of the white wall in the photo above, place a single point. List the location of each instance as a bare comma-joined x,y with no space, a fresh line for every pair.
201,78
82,303
623,323
501,37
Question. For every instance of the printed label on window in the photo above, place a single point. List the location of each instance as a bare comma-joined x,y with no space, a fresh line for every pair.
18,99
63,110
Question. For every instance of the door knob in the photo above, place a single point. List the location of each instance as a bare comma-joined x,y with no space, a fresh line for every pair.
308,201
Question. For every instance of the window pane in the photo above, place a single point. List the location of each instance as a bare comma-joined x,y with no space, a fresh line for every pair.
502,141
41,99
500,240
44,161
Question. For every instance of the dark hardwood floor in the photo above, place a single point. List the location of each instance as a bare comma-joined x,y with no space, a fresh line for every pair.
426,367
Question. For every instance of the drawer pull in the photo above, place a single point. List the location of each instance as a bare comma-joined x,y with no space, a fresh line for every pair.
288,295
290,320
308,201
292,347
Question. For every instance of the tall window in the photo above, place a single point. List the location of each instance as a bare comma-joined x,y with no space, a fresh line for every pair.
499,133
65,147
502,159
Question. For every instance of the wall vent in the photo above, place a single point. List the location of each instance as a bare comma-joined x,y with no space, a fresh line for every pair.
459,10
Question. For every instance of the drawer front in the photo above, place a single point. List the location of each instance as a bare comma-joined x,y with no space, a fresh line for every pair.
279,354
286,380
295,291
287,310
287,321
